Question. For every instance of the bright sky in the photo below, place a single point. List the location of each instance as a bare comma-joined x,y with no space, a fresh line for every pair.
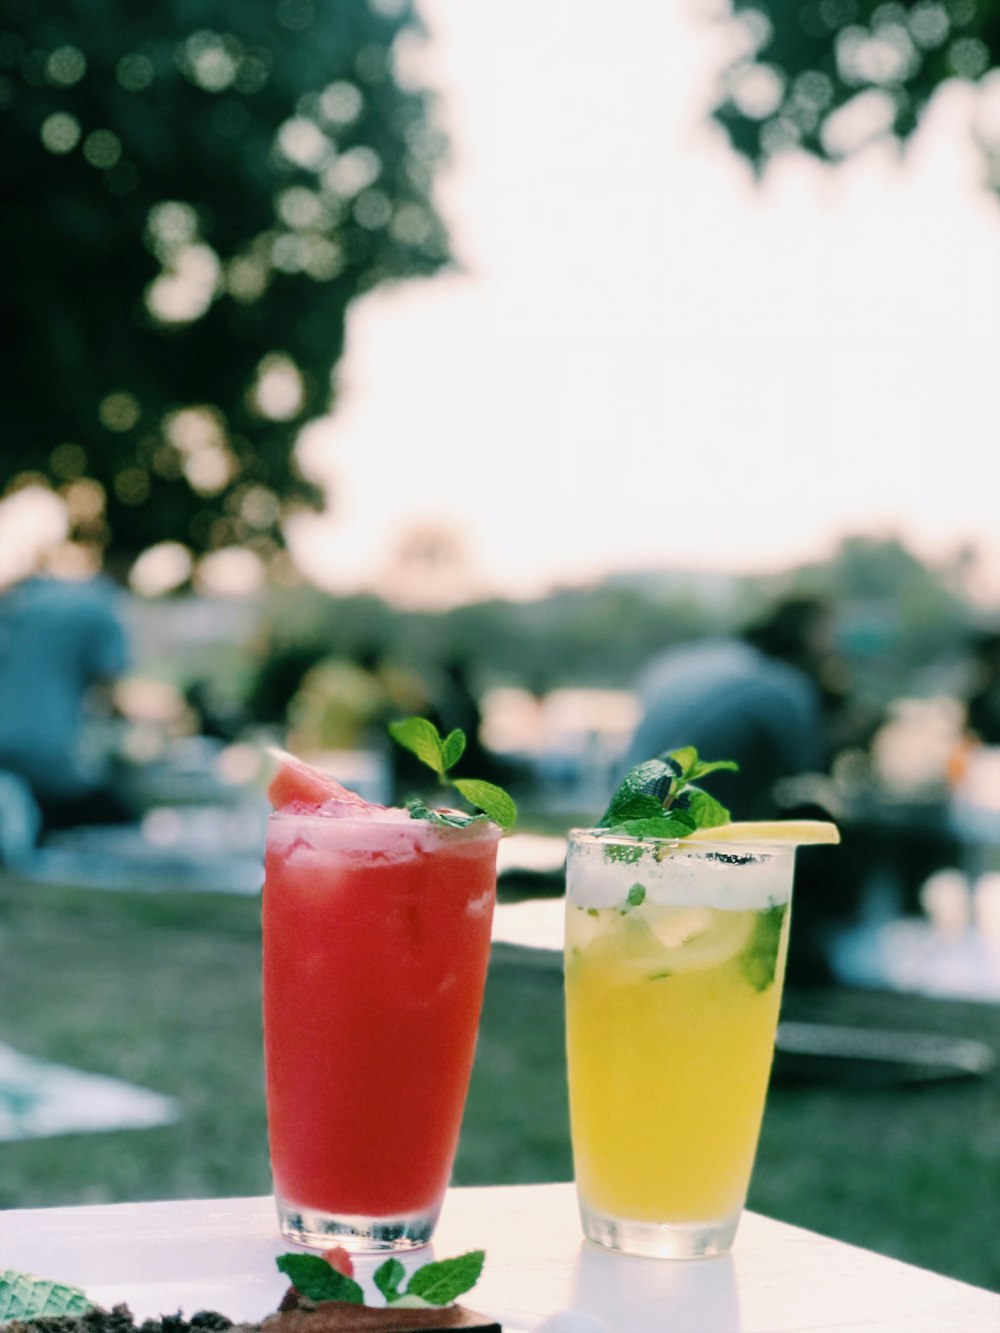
647,361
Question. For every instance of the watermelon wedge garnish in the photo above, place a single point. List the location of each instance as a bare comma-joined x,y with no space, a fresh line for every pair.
297,783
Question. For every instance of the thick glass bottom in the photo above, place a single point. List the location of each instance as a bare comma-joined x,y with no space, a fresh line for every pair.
318,1230
660,1240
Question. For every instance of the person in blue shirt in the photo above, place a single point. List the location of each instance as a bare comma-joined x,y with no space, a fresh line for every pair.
758,699
60,642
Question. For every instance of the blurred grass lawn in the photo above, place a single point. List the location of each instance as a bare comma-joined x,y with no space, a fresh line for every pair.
163,990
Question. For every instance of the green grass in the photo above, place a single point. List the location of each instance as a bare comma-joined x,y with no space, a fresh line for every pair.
163,990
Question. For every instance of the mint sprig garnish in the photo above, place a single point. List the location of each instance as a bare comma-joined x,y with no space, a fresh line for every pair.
660,798
440,754
24,1296
317,1280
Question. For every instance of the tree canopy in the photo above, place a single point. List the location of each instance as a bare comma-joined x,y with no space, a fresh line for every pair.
828,76
193,193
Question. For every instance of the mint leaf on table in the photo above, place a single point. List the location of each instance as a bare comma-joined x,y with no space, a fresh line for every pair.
387,1278
24,1296
441,1282
317,1280
422,738
658,798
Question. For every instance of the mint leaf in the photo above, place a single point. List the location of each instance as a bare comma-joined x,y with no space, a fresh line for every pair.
653,778
759,960
637,805
623,852
636,895
668,824
316,1280
699,770
493,801
453,818
705,810
663,789
24,1296
387,1278
441,1282
686,760
423,739
452,748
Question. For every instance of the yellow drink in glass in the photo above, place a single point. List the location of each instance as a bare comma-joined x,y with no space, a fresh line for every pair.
675,958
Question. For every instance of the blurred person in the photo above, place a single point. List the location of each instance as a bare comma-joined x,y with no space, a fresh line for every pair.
762,699
772,698
982,708
62,648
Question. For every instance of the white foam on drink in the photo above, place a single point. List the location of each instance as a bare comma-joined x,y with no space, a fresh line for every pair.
308,835
729,877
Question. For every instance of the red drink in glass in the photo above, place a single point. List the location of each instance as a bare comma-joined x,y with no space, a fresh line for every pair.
376,945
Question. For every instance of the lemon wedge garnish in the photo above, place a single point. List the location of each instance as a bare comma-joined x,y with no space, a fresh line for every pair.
796,831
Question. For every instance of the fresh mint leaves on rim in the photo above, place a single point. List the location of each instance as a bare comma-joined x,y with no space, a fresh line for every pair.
661,798
440,753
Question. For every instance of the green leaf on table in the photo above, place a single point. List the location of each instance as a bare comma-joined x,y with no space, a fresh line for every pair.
317,1280
441,1282
387,1278
492,800
24,1296
637,895
423,739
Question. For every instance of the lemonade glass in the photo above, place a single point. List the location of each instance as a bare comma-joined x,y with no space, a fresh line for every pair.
675,957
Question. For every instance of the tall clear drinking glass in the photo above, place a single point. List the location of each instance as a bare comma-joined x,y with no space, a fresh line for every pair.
675,957
376,945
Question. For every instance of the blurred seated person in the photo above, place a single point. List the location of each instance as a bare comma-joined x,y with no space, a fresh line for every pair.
62,646
757,699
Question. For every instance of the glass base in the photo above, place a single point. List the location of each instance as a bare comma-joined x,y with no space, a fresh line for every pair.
660,1240
316,1229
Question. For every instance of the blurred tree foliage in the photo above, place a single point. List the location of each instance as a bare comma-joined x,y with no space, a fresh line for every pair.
827,76
193,193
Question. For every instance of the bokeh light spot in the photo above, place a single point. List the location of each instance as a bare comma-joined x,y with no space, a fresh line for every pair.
102,149
278,392
134,72
341,103
66,66
119,411
60,132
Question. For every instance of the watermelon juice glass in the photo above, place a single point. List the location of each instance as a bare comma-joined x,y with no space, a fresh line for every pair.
376,945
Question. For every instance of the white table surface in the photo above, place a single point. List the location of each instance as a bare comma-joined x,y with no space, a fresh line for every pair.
539,1273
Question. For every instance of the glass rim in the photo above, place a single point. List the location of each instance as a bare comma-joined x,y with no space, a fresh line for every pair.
478,828
600,837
